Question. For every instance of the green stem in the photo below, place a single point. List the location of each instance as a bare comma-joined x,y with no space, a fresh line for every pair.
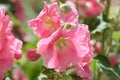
107,10
99,76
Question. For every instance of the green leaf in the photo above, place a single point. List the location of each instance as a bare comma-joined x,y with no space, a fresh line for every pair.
104,66
108,70
69,78
93,65
101,26
103,60
117,68
116,35
42,76
7,78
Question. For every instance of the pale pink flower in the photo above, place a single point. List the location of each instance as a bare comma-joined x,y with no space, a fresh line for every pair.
47,21
50,19
9,45
98,47
89,7
66,47
19,12
18,74
32,55
83,71
113,59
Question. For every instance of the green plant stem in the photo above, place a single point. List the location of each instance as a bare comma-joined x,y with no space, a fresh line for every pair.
107,10
99,76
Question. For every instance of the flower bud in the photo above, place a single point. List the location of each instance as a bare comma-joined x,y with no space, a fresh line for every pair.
113,59
68,25
32,55
18,56
98,47
65,9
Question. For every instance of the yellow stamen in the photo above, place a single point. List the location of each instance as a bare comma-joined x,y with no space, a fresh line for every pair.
50,24
61,44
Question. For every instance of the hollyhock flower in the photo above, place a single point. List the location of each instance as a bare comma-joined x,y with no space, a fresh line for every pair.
9,45
47,21
66,47
19,75
83,71
98,47
32,55
89,7
19,10
113,59
50,19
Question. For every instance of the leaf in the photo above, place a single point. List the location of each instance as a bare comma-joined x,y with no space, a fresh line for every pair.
104,66
117,68
7,78
108,70
103,60
116,35
101,26
41,76
93,65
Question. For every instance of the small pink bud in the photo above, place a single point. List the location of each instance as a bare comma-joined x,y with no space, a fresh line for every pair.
32,55
18,56
113,59
98,47
65,9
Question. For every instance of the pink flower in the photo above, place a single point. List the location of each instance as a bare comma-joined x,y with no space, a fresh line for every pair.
50,19
47,21
113,59
84,71
9,45
98,47
19,10
32,55
19,75
89,7
66,47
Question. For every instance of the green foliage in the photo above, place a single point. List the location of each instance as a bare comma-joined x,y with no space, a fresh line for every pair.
116,35
104,66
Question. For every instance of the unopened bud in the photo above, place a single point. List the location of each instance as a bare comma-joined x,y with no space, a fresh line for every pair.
68,25
32,55
65,9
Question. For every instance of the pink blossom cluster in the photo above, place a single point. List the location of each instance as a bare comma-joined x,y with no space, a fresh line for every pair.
9,45
64,42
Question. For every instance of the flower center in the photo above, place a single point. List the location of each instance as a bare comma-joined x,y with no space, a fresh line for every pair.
61,44
88,4
50,24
